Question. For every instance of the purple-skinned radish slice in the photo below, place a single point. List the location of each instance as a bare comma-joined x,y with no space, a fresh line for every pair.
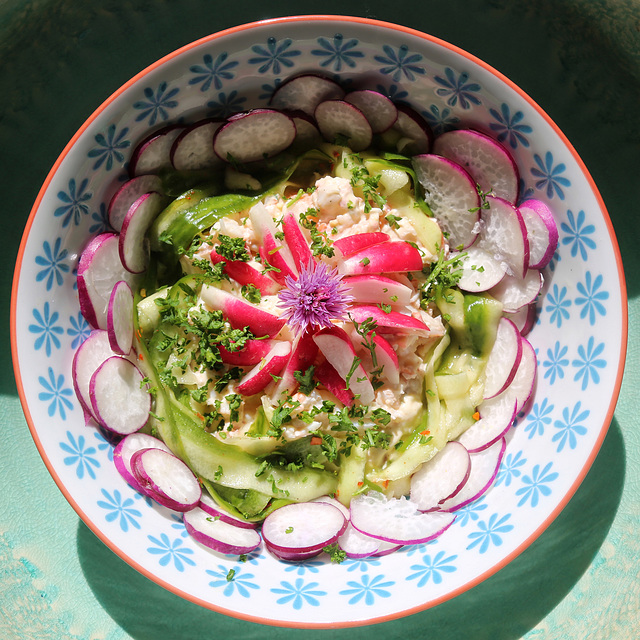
245,273
352,244
504,359
251,354
263,373
441,477
377,289
379,111
396,520
394,256
335,503
307,133
297,241
193,150
254,135
211,507
219,534
120,318
304,93
480,269
166,479
391,322
524,318
133,244
358,545
120,400
302,528
542,232
416,135
496,417
486,160
452,196
330,379
127,194
337,118
125,449
516,293
524,381
484,469
153,153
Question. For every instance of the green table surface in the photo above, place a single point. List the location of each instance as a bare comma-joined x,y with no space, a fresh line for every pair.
579,59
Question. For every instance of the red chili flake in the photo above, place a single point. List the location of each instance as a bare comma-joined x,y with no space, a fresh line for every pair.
426,432
476,415
385,484
360,484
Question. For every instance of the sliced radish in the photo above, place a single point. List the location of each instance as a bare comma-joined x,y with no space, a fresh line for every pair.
153,154
125,449
524,381
297,241
352,244
441,477
380,112
127,194
487,161
220,535
358,545
542,232
193,150
386,358
133,243
120,318
504,358
378,289
251,354
210,506
496,417
391,322
303,355
386,257
335,503
396,520
484,469
305,92
307,132
244,274
452,196
515,293
302,529
480,269
524,318
265,371
330,379
119,398
337,118
166,479
416,135
254,135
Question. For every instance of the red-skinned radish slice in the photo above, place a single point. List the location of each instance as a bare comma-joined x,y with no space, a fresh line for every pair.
99,269
305,92
416,135
386,257
452,196
125,449
396,520
220,535
251,354
515,293
307,133
338,118
254,135
120,318
297,241
380,112
127,194
336,346
263,373
524,381
486,160
496,417
166,479
208,504
193,150
335,503
480,269
378,289
302,528
303,355
542,232
133,244
244,274
386,358
241,314
120,400
524,318
153,153
358,545
484,469
391,322
330,379
504,358
352,244
441,477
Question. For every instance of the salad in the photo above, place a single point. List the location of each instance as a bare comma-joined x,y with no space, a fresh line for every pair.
310,320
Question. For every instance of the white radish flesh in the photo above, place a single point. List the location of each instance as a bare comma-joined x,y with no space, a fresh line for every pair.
133,244
153,154
127,194
515,293
524,318
125,449
386,257
416,136
480,269
377,108
193,150
337,118
524,381
391,322
496,417
504,358
542,232
305,92
358,545
220,535
378,289
120,318
208,504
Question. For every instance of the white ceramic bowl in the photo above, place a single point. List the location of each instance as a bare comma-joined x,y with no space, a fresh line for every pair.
580,336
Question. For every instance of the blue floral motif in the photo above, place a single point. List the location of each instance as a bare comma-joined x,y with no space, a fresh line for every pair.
509,126
470,512
557,305
577,233
213,72
46,329
590,298
555,362
369,588
588,363
440,121
53,263
110,147
119,509
178,526
56,394
171,551
457,89
300,568
74,201
269,89
536,485
524,192
490,532
104,445
80,455
538,418
226,105
400,63
232,580
337,52
569,427
299,593
548,176
275,56
432,569
510,468
79,330
362,564
100,220
394,92
157,104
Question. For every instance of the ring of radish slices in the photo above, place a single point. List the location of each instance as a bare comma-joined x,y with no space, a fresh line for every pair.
365,278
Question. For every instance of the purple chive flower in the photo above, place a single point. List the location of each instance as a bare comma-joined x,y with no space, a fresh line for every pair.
316,298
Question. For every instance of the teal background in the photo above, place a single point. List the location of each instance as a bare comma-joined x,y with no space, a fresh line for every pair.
579,59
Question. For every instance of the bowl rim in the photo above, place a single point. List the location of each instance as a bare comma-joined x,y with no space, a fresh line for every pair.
346,19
